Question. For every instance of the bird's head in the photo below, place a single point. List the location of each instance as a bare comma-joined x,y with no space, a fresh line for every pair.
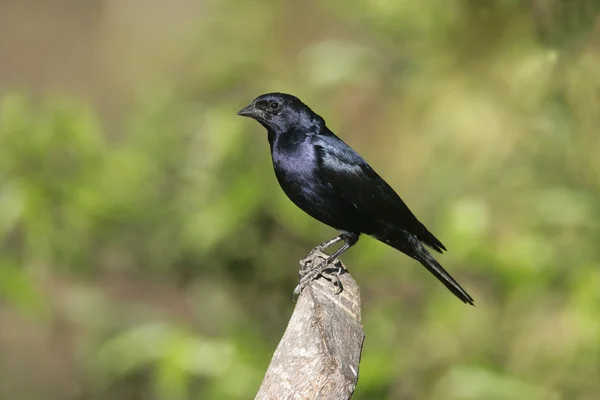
280,113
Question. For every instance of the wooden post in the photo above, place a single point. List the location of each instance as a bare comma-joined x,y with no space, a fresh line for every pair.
319,353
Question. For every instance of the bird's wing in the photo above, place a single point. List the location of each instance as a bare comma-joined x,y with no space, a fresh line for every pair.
353,178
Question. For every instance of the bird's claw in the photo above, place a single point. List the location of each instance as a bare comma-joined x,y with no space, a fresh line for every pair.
335,278
308,275
307,264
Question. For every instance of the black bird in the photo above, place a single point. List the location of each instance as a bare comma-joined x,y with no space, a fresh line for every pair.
331,182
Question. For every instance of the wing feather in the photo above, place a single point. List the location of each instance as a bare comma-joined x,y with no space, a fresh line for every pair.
352,177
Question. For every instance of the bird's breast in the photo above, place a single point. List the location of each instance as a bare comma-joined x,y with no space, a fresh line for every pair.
296,169
298,173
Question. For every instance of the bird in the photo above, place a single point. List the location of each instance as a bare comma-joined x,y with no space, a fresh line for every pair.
331,182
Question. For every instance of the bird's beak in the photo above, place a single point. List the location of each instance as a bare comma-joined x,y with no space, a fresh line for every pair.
251,111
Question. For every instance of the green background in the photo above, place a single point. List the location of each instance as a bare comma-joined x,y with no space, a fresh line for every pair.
147,251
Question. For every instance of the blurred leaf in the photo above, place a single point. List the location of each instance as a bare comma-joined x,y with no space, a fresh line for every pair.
19,289
175,355
563,207
471,383
336,62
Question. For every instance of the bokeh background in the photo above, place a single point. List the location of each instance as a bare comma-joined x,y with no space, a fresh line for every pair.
147,251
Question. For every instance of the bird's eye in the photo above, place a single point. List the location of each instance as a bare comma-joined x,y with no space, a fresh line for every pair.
274,105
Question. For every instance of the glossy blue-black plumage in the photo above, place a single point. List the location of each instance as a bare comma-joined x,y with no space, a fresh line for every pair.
331,182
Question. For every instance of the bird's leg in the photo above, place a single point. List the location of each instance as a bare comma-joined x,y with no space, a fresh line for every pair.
316,270
328,243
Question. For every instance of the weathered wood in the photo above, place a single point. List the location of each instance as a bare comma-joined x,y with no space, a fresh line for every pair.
319,353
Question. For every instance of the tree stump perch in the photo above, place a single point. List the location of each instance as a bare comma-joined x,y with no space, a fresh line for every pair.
319,353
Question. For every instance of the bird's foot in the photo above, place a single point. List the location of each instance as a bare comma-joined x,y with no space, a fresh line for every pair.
308,262
334,276
307,276
311,272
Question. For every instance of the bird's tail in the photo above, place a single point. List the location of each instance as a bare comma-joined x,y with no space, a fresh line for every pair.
421,254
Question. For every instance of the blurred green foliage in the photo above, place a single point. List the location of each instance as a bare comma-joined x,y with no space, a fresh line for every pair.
148,252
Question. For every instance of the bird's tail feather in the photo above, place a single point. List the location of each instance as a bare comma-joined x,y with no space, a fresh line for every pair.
412,246
424,257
